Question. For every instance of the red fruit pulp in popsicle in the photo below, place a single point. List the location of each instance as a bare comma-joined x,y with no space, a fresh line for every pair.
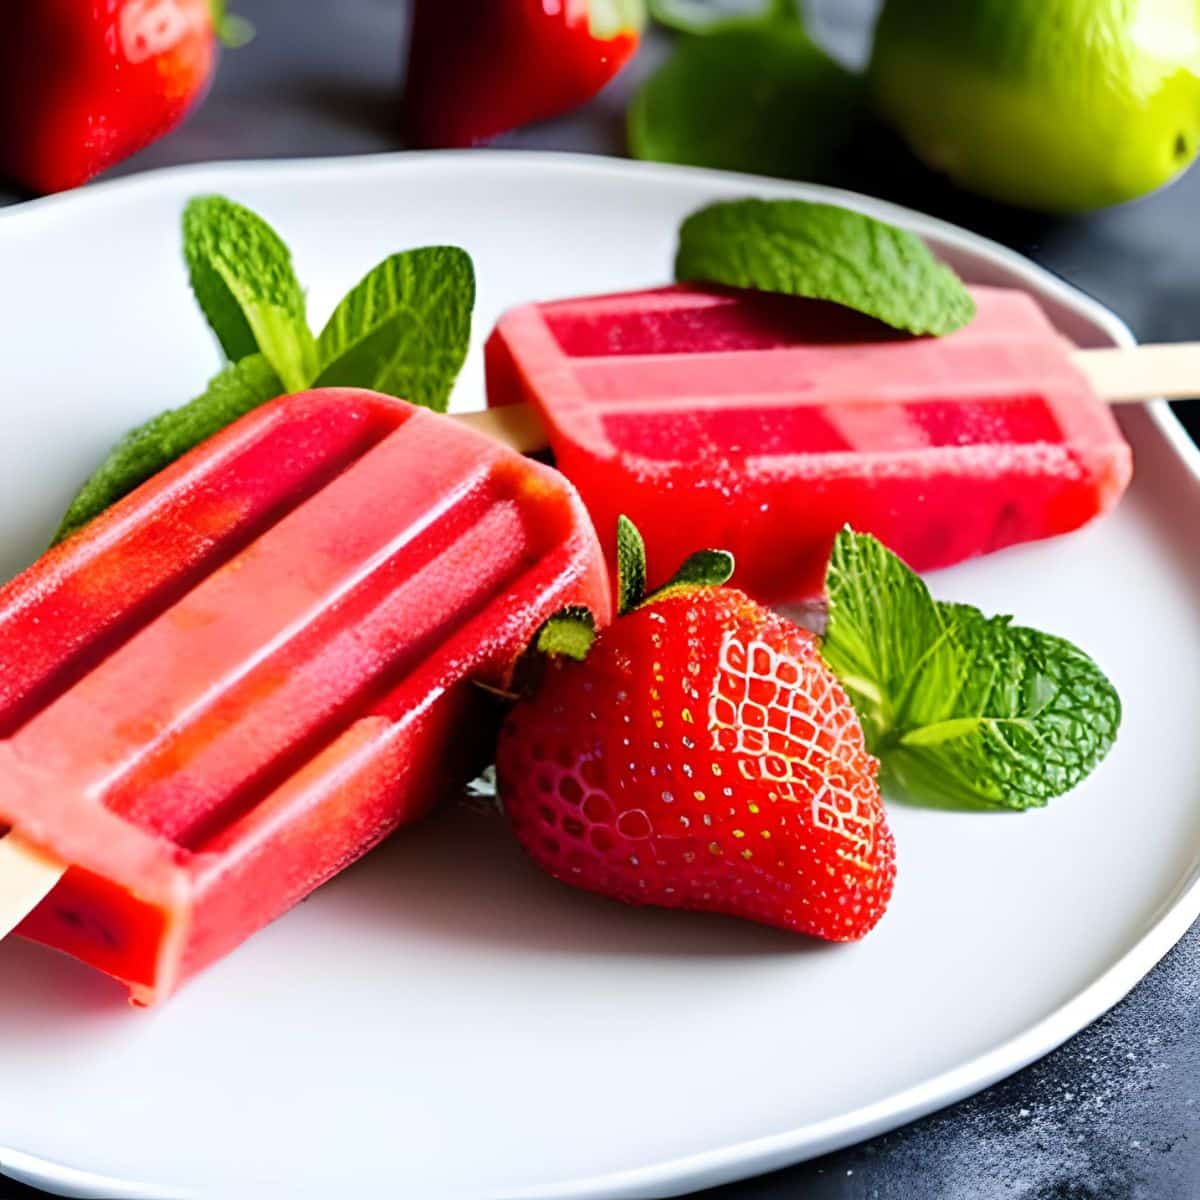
253,668
762,424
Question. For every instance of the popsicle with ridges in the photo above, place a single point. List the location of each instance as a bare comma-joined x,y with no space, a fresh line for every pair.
253,668
762,424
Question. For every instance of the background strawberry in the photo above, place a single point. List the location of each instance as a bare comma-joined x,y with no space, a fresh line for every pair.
86,83
477,68
702,756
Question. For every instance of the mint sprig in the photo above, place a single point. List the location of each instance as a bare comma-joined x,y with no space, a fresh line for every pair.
960,708
821,251
403,330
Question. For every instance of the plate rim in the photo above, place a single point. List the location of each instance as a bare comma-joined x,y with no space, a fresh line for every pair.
753,1156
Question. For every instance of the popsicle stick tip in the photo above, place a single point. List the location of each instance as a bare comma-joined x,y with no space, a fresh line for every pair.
1131,374
27,876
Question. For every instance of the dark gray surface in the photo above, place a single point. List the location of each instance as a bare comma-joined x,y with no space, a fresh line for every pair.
1112,1115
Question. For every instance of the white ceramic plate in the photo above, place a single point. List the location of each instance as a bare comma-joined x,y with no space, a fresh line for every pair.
442,1021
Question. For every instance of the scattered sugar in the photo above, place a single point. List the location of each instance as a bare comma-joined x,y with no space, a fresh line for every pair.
1111,1116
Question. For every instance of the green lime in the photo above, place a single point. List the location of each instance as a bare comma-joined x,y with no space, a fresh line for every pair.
1059,105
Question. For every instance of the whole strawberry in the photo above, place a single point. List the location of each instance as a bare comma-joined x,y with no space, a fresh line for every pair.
86,83
477,68
701,756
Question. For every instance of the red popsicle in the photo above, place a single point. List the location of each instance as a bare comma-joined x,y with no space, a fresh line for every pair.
762,424
253,668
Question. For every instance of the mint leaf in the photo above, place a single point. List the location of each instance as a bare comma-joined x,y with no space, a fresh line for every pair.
404,328
885,637
960,708
751,94
824,252
570,632
1041,715
157,443
241,274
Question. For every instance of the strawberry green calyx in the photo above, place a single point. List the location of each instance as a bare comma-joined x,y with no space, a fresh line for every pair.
232,31
704,568
631,566
570,632
566,635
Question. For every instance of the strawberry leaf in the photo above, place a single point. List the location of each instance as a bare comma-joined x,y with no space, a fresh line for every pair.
569,632
961,709
705,568
631,566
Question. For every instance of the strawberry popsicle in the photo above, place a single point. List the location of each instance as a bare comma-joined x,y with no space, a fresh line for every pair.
762,424
249,671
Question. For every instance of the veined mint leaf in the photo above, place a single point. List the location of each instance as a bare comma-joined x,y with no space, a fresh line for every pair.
1033,717
157,443
404,329
747,93
960,708
824,252
241,274
886,639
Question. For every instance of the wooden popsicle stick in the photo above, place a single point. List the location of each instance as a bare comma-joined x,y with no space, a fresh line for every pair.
1129,374
517,426
1120,375
26,877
